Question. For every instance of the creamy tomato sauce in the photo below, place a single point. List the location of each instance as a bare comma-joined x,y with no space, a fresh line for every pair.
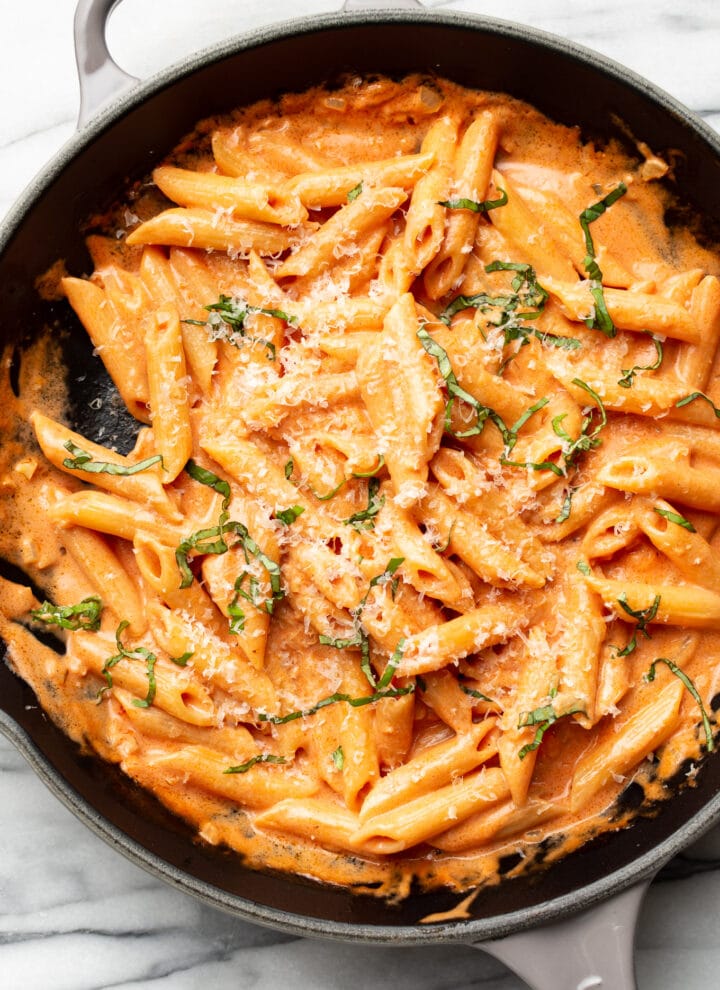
407,570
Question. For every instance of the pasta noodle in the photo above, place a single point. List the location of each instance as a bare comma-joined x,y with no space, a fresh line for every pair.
415,559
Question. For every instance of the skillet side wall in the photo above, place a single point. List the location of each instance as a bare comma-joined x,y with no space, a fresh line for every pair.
563,86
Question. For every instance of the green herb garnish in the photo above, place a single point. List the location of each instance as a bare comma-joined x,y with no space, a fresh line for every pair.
678,672
601,319
210,479
212,539
335,699
566,507
371,474
455,391
81,460
84,615
543,718
643,616
289,515
139,653
366,518
360,639
475,694
628,374
253,761
355,192
227,322
338,758
182,660
484,206
392,666
698,395
676,518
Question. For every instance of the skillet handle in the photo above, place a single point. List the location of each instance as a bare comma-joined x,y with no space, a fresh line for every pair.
591,951
101,78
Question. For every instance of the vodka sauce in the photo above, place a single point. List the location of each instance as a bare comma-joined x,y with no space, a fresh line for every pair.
415,562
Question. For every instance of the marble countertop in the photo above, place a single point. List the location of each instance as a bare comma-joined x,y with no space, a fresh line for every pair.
74,915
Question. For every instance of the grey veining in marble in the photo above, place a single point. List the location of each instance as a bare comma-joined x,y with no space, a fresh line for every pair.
73,914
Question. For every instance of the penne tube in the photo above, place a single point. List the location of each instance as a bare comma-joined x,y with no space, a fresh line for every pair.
439,646
636,311
423,817
640,735
398,384
177,692
112,515
117,589
241,198
312,818
472,170
677,605
664,475
529,234
337,235
427,771
121,349
194,227
145,486
169,395
236,742
425,220
261,786
499,822
470,539
330,186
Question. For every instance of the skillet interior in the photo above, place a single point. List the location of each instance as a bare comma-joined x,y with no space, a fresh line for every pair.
562,82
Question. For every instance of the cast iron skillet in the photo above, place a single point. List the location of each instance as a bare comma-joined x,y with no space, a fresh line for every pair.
123,142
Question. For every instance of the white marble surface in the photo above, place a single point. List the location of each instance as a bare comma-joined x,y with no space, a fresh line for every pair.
73,914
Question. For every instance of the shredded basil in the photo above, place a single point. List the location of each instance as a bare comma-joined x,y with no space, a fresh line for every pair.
676,518
289,515
253,761
442,547
543,718
366,518
584,568
698,395
227,322
483,413
475,694
371,474
511,313
678,672
338,758
212,540
182,660
628,374
643,616
589,438
476,207
566,507
360,639
83,615
139,653
206,477
601,319
355,192
331,494
289,468
392,666
334,699
81,460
